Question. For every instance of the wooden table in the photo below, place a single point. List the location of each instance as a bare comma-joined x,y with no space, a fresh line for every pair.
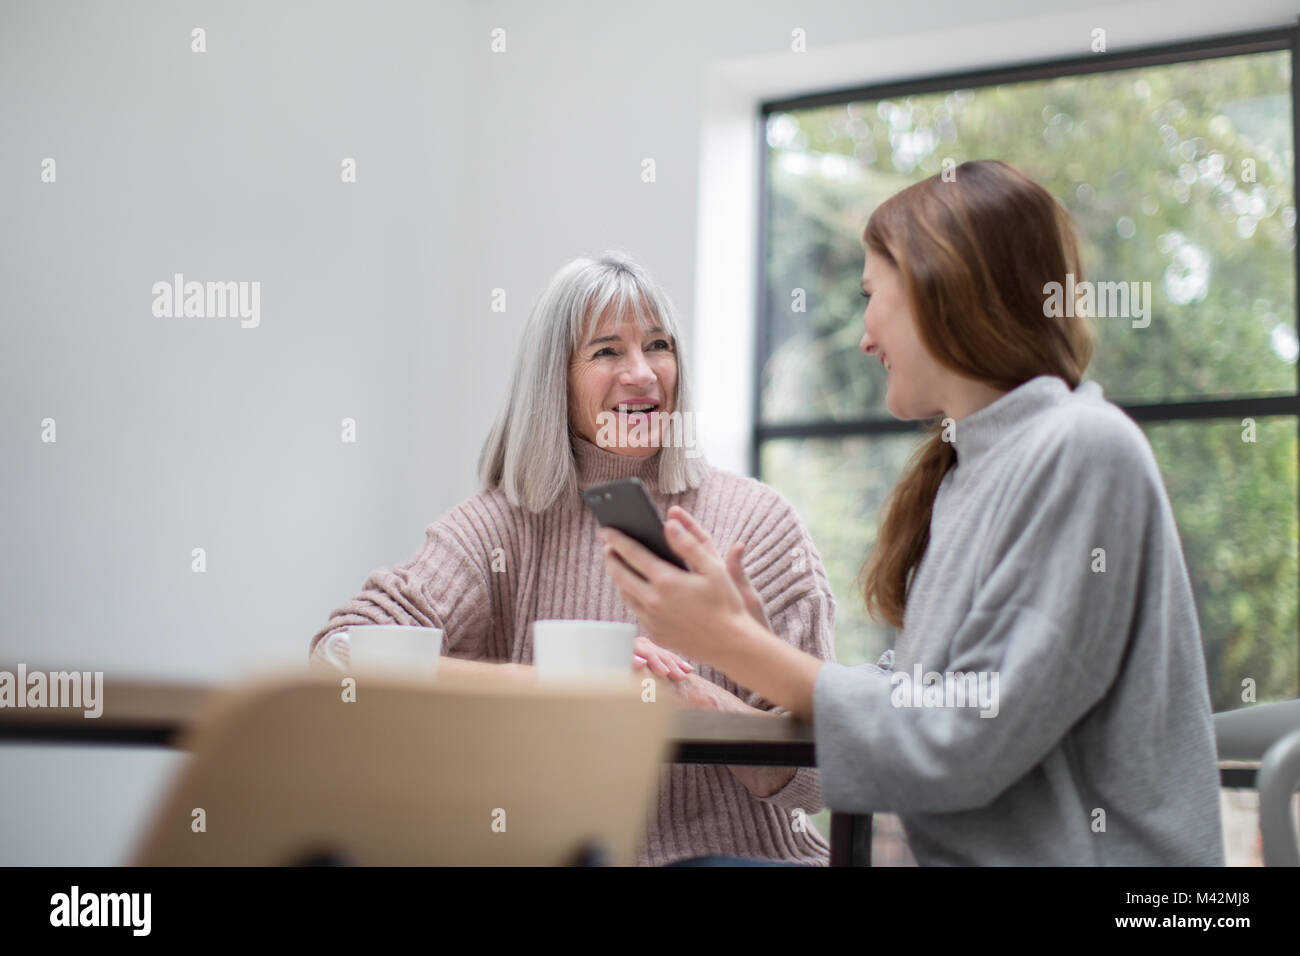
157,713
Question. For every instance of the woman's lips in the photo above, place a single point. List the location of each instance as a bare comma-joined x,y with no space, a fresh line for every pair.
642,408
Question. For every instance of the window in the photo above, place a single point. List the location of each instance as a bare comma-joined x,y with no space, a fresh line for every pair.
1177,165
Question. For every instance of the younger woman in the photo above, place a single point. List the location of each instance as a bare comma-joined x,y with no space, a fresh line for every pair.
1046,701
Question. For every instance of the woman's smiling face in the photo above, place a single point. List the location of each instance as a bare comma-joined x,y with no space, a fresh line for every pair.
621,364
891,335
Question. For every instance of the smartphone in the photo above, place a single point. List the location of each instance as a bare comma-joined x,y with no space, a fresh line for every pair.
626,506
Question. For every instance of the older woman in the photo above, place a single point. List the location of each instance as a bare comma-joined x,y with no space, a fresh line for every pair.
599,391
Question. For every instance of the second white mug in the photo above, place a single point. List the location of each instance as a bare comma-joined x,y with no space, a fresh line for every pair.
582,650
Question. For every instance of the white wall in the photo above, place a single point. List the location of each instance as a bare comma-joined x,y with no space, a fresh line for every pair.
177,433
476,171
182,433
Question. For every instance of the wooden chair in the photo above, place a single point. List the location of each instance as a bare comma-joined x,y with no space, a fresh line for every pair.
464,770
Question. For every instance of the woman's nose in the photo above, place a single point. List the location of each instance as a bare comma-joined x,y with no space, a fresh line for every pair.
637,369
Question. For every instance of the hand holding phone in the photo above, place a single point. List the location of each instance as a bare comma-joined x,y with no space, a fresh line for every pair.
625,505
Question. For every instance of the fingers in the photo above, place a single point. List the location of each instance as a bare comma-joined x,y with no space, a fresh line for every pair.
748,593
660,667
656,667
634,588
637,557
661,661
680,514
689,548
652,660
645,656
736,570
734,567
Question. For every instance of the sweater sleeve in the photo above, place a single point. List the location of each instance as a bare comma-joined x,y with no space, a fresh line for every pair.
787,571
1046,627
444,585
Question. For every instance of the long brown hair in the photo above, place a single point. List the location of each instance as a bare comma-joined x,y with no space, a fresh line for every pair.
975,253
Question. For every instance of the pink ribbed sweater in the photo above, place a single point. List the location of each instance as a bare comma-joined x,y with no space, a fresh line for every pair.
487,570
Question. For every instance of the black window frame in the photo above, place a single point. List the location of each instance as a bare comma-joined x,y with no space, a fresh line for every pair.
1259,41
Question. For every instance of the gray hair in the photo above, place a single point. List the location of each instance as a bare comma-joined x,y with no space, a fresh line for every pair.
528,452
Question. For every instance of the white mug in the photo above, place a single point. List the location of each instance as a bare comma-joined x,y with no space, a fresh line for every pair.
582,650
390,647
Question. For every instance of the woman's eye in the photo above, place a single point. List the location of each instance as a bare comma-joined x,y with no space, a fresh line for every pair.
867,296
657,344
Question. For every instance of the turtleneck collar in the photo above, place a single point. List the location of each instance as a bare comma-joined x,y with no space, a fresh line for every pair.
595,465
978,432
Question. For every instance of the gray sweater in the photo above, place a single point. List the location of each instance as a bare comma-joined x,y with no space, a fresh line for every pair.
1054,584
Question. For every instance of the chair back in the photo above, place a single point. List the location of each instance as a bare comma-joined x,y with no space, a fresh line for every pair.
393,771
